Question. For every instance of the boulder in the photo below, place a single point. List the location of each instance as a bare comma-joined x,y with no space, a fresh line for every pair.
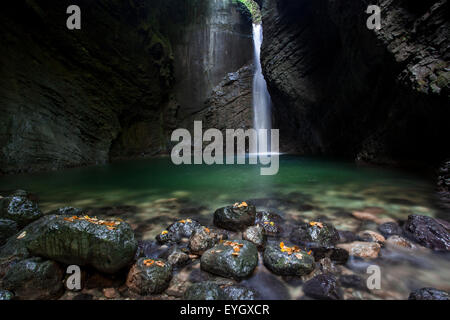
231,259
7,229
271,222
19,209
255,234
206,290
428,232
389,229
148,276
235,218
369,250
203,239
323,287
34,279
6,295
287,262
178,230
429,294
108,246
315,234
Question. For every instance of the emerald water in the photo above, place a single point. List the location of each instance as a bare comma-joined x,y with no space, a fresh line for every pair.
150,194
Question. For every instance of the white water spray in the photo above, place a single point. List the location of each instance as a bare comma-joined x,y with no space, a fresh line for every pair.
262,118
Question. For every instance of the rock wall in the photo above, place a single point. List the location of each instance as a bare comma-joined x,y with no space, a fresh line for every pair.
342,89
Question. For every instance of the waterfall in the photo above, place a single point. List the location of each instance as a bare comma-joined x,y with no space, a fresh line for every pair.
261,99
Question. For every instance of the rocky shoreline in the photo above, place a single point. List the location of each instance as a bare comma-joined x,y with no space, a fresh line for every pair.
220,260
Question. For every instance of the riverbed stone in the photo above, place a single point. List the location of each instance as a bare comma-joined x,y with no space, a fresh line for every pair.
206,290
6,295
371,236
80,242
271,222
389,229
429,294
237,292
7,229
282,263
428,232
19,209
231,259
177,258
34,278
323,287
399,241
255,234
369,250
178,230
315,234
235,218
203,239
149,276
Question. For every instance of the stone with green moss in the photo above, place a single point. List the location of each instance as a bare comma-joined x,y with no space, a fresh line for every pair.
281,263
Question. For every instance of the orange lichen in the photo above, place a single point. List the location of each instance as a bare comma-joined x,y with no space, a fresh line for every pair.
289,250
111,225
314,223
164,232
207,230
242,204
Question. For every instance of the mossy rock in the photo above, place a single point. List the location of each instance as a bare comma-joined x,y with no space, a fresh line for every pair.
147,279
19,209
34,278
220,260
281,263
235,218
77,242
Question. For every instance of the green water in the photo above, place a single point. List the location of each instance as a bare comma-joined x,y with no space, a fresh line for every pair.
150,194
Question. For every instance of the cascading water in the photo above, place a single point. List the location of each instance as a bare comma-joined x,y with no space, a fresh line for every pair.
261,99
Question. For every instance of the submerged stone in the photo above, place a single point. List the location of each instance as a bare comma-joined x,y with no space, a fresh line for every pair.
231,259
34,278
428,232
19,209
148,276
298,263
235,218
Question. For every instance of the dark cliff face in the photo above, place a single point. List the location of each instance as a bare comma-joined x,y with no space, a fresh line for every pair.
71,98
341,89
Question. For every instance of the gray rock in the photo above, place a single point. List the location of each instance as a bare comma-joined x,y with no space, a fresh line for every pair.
178,230
323,287
313,236
285,264
220,260
177,258
34,278
239,293
206,290
271,222
67,211
429,294
390,229
428,232
234,218
148,276
6,295
19,209
255,235
203,239
7,229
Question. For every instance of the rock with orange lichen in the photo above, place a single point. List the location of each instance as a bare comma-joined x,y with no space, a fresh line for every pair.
236,217
178,230
315,234
287,260
149,276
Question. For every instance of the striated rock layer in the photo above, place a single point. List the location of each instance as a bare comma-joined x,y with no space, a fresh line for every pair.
340,88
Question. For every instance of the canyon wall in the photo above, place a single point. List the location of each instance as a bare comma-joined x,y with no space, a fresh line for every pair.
341,89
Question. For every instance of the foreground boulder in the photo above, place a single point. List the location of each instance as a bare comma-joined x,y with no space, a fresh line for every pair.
287,261
231,259
429,294
7,229
236,217
323,287
148,276
178,230
108,246
428,232
315,234
19,209
34,278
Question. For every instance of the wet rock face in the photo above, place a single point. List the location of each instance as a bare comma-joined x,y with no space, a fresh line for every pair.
234,218
285,264
428,232
327,72
149,276
6,295
7,229
390,229
19,209
315,235
231,259
429,294
34,278
323,287
177,231
255,235
79,242
204,238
